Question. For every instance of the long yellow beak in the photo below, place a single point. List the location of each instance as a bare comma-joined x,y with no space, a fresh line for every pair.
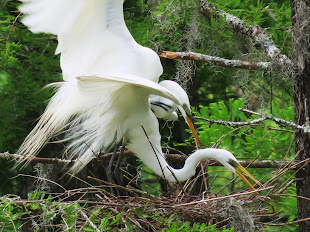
191,125
239,170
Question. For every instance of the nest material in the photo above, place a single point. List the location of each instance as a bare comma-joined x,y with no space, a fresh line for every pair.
225,213
145,213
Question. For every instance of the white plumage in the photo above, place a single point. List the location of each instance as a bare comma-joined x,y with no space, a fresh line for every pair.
96,46
108,79
92,38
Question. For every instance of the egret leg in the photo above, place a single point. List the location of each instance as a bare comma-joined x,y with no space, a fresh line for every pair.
117,171
109,169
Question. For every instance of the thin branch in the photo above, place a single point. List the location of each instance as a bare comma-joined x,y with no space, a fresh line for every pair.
254,31
116,185
41,178
231,123
279,121
154,150
287,223
214,60
222,197
87,219
254,122
57,161
170,157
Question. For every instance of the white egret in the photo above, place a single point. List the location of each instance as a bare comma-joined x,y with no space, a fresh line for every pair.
108,78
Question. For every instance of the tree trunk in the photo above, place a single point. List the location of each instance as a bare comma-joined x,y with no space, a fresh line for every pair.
301,95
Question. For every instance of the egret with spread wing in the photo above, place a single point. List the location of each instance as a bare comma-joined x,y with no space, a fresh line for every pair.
108,81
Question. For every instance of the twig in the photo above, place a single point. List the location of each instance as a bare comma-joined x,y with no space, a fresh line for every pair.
57,161
279,121
285,224
291,195
131,190
87,219
172,158
269,214
41,178
254,122
155,151
214,60
254,31
223,197
230,123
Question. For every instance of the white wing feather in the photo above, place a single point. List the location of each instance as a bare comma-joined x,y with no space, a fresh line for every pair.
91,83
92,36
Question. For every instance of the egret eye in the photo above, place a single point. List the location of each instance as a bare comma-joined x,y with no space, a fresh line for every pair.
233,163
186,109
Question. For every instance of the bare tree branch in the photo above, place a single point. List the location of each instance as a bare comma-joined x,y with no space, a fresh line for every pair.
280,121
170,157
262,117
247,123
57,161
214,60
230,123
254,31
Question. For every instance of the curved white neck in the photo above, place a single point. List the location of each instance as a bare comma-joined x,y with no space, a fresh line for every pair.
160,166
189,168
145,144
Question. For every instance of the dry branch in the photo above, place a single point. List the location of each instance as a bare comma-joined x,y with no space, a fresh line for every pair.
170,157
214,60
57,161
262,117
231,123
254,122
223,197
262,39
280,121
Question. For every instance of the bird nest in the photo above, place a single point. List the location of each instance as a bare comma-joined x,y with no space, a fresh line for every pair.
145,211
229,212
142,211
134,205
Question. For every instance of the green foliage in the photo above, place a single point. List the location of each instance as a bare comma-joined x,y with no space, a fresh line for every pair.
174,225
267,140
10,214
27,64
273,15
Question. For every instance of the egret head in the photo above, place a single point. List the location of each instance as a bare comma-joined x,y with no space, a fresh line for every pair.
184,107
163,108
230,162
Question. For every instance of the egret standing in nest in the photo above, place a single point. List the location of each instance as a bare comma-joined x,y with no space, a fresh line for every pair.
104,98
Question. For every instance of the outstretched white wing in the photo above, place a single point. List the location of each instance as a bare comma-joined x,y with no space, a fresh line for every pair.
92,36
103,83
